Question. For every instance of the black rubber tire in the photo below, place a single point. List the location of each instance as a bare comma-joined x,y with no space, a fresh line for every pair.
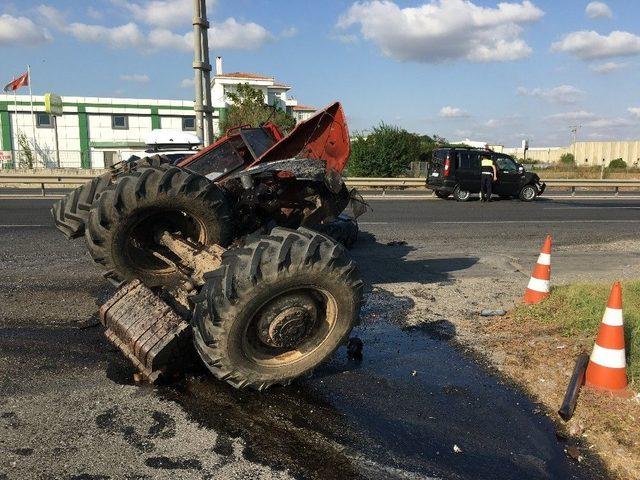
461,195
343,230
441,194
148,195
71,213
248,279
528,193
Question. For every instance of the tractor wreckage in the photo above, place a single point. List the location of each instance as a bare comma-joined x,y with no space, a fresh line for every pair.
236,250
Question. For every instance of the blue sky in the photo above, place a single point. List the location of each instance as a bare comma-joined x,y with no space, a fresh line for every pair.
477,69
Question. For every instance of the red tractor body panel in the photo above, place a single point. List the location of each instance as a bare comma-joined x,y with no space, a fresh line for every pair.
324,136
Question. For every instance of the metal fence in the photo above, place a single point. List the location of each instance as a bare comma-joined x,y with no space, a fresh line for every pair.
42,158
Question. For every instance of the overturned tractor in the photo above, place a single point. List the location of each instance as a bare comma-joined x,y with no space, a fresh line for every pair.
235,250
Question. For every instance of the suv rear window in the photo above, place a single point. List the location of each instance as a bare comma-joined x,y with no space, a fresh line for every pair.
440,155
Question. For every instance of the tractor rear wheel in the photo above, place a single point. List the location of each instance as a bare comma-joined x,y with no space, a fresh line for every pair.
72,212
276,308
126,221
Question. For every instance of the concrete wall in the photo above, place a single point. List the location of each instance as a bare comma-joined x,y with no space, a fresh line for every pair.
585,153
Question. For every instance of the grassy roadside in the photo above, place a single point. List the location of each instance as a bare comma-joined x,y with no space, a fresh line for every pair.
578,309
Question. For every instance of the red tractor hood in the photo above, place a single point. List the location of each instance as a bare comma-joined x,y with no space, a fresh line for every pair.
324,136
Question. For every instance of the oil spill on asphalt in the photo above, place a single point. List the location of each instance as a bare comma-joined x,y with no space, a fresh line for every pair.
396,414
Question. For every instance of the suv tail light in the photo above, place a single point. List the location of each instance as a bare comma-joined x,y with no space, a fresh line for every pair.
447,166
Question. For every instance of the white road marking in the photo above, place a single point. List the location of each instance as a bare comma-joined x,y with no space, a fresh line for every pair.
590,207
493,222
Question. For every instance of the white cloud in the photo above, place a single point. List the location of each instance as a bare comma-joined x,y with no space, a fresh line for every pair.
232,34
452,112
559,94
635,111
135,77
589,45
124,36
289,32
444,29
162,13
607,67
229,34
608,123
598,10
163,39
94,13
21,31
187,83
571,116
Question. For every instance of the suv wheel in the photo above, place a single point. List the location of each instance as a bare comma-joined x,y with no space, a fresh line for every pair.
441,194
528,193
461,195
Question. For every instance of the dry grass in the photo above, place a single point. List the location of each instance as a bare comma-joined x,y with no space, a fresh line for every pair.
578,309
561,171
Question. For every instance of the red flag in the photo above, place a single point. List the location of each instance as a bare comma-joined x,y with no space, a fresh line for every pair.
21,81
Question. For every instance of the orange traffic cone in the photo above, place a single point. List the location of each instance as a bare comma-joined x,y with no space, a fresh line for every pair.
607,369
538,288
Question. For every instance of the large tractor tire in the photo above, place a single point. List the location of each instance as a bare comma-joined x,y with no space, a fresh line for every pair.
276,308
343,230
72,212
126,220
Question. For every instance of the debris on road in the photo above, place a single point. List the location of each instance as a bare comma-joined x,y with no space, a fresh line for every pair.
354,348
493,313
573,389
456,449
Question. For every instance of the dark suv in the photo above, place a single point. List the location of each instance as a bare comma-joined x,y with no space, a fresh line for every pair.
456,171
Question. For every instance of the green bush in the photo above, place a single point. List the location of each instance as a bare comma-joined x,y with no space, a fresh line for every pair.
567,159
386,152
617,163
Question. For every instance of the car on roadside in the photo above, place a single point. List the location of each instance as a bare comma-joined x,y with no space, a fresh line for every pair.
456,171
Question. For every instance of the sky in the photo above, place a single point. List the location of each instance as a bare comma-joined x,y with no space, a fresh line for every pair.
493,71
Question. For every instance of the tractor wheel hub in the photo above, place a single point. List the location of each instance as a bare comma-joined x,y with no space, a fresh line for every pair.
287,322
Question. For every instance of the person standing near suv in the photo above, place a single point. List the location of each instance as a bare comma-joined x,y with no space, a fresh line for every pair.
488,175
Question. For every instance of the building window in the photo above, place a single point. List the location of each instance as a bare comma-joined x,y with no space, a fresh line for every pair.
44,120
189,124
119,122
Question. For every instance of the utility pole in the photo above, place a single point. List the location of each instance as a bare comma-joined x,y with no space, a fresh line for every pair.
202,67
574,137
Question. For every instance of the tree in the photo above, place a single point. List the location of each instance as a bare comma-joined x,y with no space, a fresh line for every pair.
567,159
386,152
618,163
27,158
248,108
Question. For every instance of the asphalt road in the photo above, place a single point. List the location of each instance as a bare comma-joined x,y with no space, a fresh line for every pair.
68,408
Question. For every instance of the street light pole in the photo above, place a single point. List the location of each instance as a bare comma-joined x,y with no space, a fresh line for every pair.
202,68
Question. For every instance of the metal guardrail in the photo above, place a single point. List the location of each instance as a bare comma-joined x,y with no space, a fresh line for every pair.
43,180
363,183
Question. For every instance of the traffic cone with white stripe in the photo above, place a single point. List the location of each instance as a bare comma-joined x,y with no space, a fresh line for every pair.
538,288
607,369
